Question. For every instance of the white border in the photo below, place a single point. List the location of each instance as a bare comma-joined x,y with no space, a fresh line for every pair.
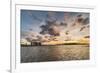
16,66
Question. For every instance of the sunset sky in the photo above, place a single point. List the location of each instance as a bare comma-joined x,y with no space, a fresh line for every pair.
31,20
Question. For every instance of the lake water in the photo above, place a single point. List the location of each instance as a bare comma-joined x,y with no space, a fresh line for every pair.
54,53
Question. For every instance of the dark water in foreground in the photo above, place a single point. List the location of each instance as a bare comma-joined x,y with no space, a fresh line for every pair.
54,53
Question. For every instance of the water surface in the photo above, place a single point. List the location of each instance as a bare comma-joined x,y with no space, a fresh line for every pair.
54,53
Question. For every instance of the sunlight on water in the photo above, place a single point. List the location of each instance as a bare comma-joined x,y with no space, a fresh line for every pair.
54,53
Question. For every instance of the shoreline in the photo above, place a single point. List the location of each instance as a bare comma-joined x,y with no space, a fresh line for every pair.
57,44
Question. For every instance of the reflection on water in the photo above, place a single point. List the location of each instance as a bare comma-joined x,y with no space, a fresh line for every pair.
54,53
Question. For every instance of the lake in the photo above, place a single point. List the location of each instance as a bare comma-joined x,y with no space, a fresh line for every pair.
54,53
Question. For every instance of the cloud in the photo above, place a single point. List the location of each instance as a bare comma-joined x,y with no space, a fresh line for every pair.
72,26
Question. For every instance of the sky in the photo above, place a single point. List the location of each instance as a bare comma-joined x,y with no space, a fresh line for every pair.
31,20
